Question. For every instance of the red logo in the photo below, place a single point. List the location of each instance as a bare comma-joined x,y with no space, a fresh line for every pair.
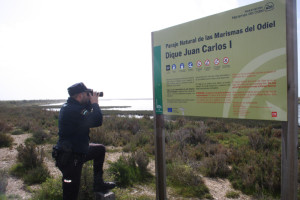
226,60
274,114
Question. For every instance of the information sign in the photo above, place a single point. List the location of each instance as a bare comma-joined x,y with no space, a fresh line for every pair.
229,65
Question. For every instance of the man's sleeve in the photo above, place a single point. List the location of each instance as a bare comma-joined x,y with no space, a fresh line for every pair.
94,118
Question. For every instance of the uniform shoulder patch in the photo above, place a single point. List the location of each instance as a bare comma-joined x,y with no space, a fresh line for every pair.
84,112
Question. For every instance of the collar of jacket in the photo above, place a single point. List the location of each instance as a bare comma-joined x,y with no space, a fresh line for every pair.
73,101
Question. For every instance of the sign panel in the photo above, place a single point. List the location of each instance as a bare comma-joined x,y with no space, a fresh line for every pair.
229,65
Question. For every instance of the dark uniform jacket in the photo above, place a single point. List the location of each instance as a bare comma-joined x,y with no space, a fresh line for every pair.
74,123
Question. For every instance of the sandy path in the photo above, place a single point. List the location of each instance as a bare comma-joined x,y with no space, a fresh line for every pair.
219,187
8,156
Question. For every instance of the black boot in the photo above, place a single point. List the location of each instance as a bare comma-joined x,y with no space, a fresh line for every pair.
104,187
101,186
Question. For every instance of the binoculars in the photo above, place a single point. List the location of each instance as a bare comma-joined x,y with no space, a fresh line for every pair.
99,94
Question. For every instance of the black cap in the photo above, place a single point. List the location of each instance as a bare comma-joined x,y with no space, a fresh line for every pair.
78,88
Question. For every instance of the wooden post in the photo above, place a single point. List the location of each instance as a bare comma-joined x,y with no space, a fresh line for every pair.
160,162
289,157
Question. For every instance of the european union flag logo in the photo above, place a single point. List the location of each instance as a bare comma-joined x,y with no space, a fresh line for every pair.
169,109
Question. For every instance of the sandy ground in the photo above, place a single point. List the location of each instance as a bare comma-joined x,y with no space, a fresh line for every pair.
15,188
219,187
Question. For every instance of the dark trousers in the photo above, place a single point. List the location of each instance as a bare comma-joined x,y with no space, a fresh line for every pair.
72,170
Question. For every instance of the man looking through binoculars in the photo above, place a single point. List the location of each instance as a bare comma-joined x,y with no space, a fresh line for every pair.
80,113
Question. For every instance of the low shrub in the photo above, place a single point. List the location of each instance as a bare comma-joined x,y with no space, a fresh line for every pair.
126,172
18,170
256,172
142,160
120,131
186,182
36,175
30,155
191,135
51,189
30,164
256,141
232,195
216,166
32,176
5,140
215,126
39,137
17,132
139,140
25,125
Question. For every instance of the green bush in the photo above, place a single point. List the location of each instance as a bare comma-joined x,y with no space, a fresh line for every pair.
51,189
30,164
256,172
215,126
36,175
126,172
119,131
32,175
186,182
39,137
142,160
190,135
17,132
18,170
5,140
232,195
216,166
30,155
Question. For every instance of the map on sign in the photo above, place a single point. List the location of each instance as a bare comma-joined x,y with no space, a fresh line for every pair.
230,65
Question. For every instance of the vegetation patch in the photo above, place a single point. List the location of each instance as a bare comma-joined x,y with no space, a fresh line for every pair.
30,166
5,140
183,179
128,170
50,189
247,152
232,195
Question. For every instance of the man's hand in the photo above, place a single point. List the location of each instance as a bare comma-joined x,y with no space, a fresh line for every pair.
94,98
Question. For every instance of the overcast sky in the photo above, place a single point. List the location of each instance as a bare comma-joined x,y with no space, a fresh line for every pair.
48,45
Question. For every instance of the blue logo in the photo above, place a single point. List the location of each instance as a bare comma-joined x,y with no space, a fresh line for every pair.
169,109
181,65
190,64
173,66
